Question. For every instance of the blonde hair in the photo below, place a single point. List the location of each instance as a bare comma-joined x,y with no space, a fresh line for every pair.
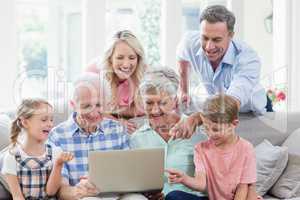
25,110
131,40
220,109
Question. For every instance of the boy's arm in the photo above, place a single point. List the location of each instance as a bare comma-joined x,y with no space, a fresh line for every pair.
241,192
197,183
252,194
14,186
249,174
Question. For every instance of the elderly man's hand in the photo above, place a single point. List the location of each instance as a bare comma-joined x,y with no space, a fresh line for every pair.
186,127
85,188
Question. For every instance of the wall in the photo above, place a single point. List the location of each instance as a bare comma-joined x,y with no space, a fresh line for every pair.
254,33
8,54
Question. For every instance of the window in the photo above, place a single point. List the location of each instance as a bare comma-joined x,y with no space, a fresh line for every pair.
142,17
32,22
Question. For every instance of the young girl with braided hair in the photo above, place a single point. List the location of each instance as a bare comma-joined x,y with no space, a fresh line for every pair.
31,168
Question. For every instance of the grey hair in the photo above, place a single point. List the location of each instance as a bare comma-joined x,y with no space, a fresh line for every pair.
218,13
93,82
161,79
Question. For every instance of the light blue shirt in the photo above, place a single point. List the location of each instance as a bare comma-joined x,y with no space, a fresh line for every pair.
179,153
237,75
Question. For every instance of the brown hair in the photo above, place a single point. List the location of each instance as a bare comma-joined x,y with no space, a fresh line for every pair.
218,13
25,110
220,109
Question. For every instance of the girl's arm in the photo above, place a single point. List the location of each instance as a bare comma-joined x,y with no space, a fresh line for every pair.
55,175
14,186
197,183
242,191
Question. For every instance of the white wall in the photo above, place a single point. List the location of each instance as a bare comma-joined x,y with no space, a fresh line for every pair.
254,33
170,31
93,27
292,53
250,28
8,54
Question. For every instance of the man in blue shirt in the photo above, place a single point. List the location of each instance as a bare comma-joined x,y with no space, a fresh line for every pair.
222,64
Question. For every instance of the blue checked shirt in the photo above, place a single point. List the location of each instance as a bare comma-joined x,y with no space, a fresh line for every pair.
237,75
69,137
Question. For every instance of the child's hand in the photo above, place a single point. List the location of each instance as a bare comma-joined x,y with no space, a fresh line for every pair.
175,176
64,157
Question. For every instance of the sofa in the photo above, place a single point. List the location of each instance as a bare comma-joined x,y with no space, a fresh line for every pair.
276,137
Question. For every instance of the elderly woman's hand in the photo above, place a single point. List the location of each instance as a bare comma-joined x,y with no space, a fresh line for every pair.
186,127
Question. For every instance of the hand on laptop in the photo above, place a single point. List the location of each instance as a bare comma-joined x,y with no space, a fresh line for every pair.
85,188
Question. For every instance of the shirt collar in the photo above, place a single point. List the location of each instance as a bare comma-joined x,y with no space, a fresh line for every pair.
228,57
146,126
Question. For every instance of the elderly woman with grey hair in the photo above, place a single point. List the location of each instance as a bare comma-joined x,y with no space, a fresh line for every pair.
158,96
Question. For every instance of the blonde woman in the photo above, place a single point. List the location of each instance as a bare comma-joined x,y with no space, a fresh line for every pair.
123,66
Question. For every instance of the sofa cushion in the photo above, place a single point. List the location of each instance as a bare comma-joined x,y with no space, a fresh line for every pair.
288,184
4,194
292,142
271,161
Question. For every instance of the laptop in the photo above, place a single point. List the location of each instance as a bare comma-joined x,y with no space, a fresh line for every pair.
122,171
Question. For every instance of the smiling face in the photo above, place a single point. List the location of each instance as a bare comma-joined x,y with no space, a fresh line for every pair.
158,108
215,39
40,123
124,60
88,105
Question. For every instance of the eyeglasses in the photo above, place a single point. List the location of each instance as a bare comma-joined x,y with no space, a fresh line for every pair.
124,34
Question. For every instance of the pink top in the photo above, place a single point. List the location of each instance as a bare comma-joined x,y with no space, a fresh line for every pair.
125,92
225,169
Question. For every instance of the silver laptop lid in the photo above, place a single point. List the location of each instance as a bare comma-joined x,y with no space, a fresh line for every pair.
121,171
